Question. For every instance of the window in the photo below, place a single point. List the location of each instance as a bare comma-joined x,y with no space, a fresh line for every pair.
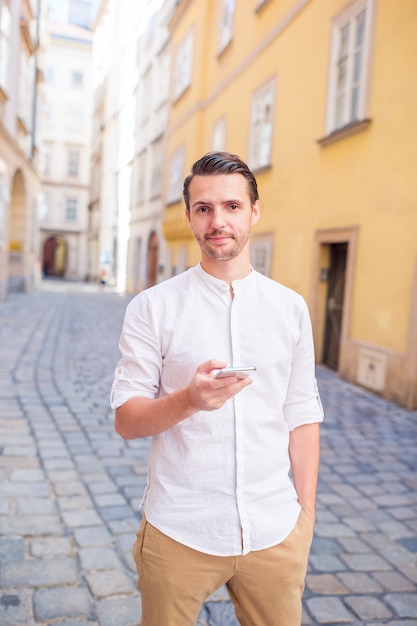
77,79
176,169
184,64
71,209
49,74
45,159
74,118
218,135
43,206
163,73
226,23
4,44
73,162
260,143
157,171
348,69
141,165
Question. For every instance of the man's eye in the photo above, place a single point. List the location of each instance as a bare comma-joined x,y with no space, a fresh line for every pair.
233,207
203,209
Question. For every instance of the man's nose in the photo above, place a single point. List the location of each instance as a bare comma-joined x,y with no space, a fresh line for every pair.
217,218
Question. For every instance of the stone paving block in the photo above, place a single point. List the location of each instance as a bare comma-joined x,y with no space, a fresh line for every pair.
39,573
92,536
74,503
58,476
217,614
12,549
365,562
110,500
329,610
61,602
51,547
359,524
326,563
353,544
404,604
120,527
35,506
15,608
395,530
333,530
76,519
30,525
112,513
358,582
368,607
394,581
103,487
22,462
69,488
14,489
325,584
27,475
109,583
99,558
119,611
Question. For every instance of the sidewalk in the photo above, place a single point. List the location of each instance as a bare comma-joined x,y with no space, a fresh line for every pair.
70,487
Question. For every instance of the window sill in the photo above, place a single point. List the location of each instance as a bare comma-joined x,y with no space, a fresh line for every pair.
343,133
258,169
261,5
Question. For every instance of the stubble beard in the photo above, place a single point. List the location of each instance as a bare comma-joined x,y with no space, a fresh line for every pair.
234,249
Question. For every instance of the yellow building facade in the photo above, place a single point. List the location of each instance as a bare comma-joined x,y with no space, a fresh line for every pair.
319,97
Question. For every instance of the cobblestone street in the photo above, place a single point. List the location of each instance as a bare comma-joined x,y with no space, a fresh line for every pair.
70,487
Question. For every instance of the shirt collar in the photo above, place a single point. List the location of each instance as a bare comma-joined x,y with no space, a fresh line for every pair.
221,284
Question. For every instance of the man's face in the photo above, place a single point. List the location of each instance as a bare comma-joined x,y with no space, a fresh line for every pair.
221,214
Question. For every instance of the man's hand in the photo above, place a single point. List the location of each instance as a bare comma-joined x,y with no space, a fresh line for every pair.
143,417
207,393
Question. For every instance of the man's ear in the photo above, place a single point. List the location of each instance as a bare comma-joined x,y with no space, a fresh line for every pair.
256,212
187,214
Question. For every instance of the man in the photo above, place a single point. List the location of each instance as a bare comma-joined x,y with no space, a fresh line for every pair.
220,507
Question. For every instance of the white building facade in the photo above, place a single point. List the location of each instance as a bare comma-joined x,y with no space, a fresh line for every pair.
20,79
131,75
65,152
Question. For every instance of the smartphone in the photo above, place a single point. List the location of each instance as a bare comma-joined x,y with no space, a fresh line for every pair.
240,372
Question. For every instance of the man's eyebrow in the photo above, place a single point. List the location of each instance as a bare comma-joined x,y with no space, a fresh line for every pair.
201,203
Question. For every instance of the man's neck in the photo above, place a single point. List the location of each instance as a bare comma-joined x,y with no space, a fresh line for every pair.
228,271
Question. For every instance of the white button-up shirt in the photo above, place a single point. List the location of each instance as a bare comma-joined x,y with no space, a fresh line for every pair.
219,480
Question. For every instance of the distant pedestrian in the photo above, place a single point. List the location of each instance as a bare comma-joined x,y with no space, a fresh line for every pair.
220,506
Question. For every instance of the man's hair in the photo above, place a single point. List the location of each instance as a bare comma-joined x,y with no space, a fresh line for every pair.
214,163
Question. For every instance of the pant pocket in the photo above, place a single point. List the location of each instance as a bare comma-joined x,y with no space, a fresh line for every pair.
138,547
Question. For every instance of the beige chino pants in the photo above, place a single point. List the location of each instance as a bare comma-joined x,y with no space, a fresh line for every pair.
266,586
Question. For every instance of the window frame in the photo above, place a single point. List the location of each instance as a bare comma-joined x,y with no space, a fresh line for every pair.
5,45
73,170
176,171
256,149
227,18
182,76
71,208
348,18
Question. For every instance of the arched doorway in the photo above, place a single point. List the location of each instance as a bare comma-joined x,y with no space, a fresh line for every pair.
54,256
152,260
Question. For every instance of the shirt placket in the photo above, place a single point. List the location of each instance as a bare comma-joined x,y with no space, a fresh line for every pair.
239,429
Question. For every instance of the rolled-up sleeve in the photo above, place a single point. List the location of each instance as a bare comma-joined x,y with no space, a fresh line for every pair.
137,373
302,404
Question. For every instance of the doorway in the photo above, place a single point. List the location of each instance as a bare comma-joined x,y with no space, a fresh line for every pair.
338,253
54,257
